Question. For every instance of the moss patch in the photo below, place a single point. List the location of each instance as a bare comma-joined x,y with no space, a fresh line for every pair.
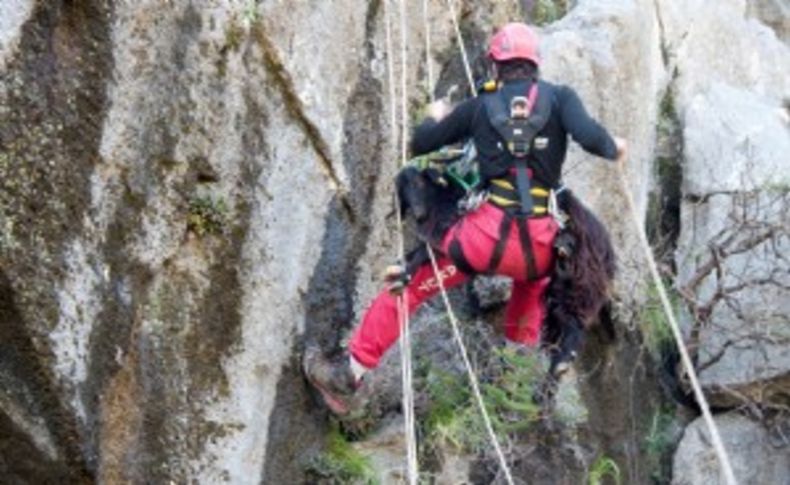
547,11
207,215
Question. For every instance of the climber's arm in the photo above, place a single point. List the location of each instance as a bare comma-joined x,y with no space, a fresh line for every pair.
583,128
433,134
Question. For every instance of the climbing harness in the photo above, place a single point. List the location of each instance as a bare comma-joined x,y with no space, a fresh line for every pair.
464,170
517,123
452,164
457,166
504,195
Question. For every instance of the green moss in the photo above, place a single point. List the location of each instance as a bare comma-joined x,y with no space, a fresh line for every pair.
250,14
658,445
234,35
778,187
207,215
667,107
340,462
548,11
654,323
222,66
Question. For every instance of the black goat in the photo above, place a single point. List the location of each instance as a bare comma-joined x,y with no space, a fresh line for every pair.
585,259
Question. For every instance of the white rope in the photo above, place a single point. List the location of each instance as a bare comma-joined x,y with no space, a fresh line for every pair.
403,95
457,27
450,312
428,64
718,446
390,74
469,370
403,308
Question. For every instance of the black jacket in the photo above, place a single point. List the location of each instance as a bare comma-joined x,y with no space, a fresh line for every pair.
470,119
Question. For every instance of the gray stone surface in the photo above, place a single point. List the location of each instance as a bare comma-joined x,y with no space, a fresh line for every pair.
586,50
773,13
736,140
756,457
160,343
696,31
13,14
744,346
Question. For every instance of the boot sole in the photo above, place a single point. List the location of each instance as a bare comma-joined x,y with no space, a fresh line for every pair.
334,404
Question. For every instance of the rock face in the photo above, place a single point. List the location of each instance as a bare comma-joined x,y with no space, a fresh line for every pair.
190,191
172,176
736,135
735,229
773,13
758,456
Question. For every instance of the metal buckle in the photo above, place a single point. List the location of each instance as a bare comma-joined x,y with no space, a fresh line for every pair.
519,107
472,201
554,209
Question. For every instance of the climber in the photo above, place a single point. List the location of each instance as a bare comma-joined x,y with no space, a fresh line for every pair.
520,129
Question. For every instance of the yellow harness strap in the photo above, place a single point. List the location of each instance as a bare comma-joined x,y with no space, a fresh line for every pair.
505,202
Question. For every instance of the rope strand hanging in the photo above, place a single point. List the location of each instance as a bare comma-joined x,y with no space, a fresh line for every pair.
408,394
428,64
403,313
450,312
462,47
718,446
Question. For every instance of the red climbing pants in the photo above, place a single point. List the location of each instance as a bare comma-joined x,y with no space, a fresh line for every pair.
477,233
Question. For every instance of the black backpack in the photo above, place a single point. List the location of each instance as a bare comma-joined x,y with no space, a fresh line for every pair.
517,123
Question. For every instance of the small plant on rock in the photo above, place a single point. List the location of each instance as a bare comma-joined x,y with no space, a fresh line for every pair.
655,325
602,468
547,11
455,419
207,215
341,463
659,444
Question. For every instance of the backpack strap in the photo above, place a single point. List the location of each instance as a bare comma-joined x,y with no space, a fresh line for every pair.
499,248
518,132
518,124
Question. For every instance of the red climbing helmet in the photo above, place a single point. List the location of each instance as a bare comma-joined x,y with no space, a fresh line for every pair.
514,41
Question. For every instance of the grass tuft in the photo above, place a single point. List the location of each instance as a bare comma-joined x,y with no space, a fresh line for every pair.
341,463
602,468
454,420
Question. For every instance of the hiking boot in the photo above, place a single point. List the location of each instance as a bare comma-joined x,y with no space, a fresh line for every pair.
332,377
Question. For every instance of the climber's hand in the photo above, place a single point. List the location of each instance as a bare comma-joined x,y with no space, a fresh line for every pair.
396,278
439,109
